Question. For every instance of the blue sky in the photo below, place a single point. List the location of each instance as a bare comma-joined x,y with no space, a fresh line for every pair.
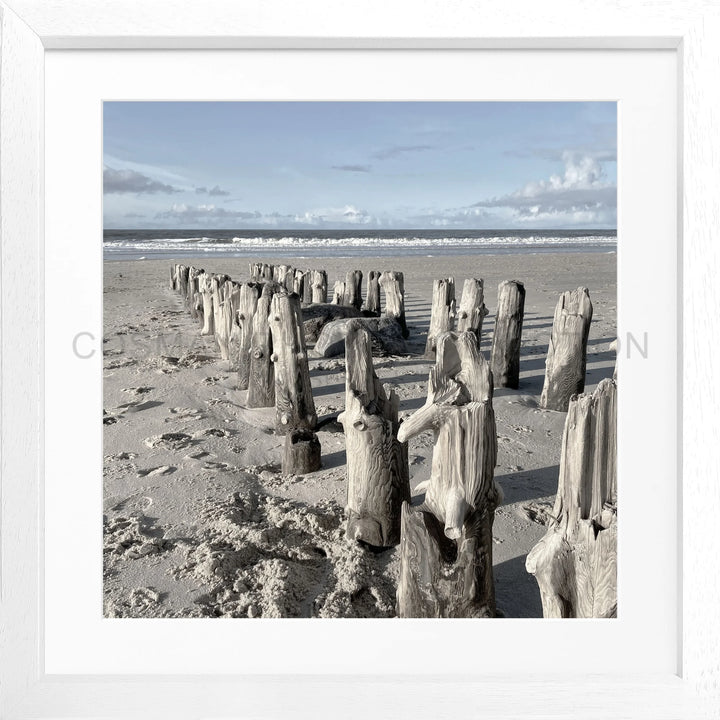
363,165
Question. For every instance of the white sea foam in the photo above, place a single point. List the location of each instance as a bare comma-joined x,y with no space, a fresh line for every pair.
405,244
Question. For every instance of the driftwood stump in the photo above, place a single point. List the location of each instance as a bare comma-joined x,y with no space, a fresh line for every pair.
377,462
293,392
182,279
338,292
393,283
229,296
352,295
261,272
505,354
261,383
575,564
216,285
306,287
567,352
245,312
442,314
298,283
192,290
372,301
205,288
471,310
446,544
302,453
318,283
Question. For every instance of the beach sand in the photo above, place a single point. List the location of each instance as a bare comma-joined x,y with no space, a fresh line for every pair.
199,521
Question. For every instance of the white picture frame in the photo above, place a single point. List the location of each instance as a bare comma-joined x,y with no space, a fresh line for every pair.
29,29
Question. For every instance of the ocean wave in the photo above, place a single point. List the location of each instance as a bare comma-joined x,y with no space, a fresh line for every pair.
207,244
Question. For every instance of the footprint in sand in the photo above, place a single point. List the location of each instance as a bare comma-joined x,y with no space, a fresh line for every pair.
133,407
162,470
211,432
121,456
183,413
223,467
115,364
170,441
137,390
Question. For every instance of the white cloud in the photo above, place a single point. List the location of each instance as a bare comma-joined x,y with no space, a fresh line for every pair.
580,196
348,214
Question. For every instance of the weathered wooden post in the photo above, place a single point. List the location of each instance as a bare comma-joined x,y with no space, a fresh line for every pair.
293,392
306,287
353,289
245,312
446,543
338,292
217,282
377,462
261,383
393,284
372,301
575,564
191,289
284,275
261,272
173,276
471,310
567,352
318,281
442,314
229,296
302,453
505,354
183,271
196,306
205,287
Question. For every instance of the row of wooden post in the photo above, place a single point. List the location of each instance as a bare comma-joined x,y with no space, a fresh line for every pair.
567,350
446,543
259,330
469,315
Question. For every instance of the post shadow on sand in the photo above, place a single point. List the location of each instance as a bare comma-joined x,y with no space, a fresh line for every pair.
516,591
526,485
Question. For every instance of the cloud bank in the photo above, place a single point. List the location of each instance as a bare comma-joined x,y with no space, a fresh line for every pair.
132,181
216,191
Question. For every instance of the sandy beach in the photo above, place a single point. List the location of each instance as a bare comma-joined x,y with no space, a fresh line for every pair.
198,519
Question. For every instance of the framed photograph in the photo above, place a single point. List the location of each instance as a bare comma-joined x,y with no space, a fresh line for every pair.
131,143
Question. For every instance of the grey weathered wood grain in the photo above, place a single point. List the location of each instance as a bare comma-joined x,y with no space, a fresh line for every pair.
567,351
318,281
261,382
377,462
302,453
338,292
575,564
295,408
372,301
205,288
442,313
472,310
461,494
229,295
352,294
507,337
245,313
393,284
